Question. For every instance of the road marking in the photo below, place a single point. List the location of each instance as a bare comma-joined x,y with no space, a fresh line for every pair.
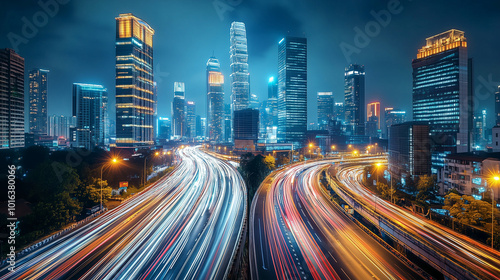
261,250
332,257
345,273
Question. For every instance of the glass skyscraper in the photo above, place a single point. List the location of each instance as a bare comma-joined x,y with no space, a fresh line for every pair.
240,78
191,119
178,111
392,117
135,93
441,93
89,108
11,99
325,109
215,100
292,91
38,102
354,99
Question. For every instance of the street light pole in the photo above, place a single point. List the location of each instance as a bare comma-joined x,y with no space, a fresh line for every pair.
496,178
101,186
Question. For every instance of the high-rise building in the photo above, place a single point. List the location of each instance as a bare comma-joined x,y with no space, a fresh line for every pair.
199,127
442,95
338,111
135,92
354,99
409,150
215,100
164,128
59,126
272,88
392,117
38,101
292,91
254,101
89,108
178,111
11,99
240,78
272,101
191,119
497,106
227,125
246,128
479,131
325,109
371,127
204,127
373,109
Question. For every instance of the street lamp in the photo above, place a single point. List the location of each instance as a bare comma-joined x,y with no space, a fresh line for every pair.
113,161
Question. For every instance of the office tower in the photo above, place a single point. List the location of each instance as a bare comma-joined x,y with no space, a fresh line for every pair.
164,128
254,101
199,127
272,88
409,150
178,111
497,106
190,119
338,111
12,99
240,78
292,91
227,125
135,92
392,117
215,100
371,127
204,127
272,100
38,101
441,93
373,109
325,109
246,127
354,101
479,131
89,108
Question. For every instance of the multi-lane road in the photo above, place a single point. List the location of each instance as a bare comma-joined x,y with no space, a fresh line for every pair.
297,233
475,257
185,226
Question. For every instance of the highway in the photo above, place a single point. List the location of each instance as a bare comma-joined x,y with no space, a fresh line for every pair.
476,257
297,233
185,226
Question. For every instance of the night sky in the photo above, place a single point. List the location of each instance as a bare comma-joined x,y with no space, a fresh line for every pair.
77,44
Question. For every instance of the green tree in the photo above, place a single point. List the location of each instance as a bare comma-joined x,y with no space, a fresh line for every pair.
90,193
45,183
427,188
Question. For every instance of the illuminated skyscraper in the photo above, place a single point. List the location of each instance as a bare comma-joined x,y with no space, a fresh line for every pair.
38,101
178,111
497,106
135,93
292,90
215,100
240,78
191,119
338,111
89,108
442,95
12,99
325,109
354,99
392,117
373,110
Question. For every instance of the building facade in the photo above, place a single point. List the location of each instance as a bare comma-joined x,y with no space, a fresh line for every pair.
373,110
89,108
11,99
191,119
215,101
409,150
178,111
338,111
441,93
59,126
38,101
325,109
292,91
240,78
392,117
470,173
354,99
135,90
246,128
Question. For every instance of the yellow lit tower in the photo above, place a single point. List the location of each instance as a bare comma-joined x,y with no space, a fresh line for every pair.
135,89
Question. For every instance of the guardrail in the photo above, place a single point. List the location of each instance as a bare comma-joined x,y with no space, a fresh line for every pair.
441,263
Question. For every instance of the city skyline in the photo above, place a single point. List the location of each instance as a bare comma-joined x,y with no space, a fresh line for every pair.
262,45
